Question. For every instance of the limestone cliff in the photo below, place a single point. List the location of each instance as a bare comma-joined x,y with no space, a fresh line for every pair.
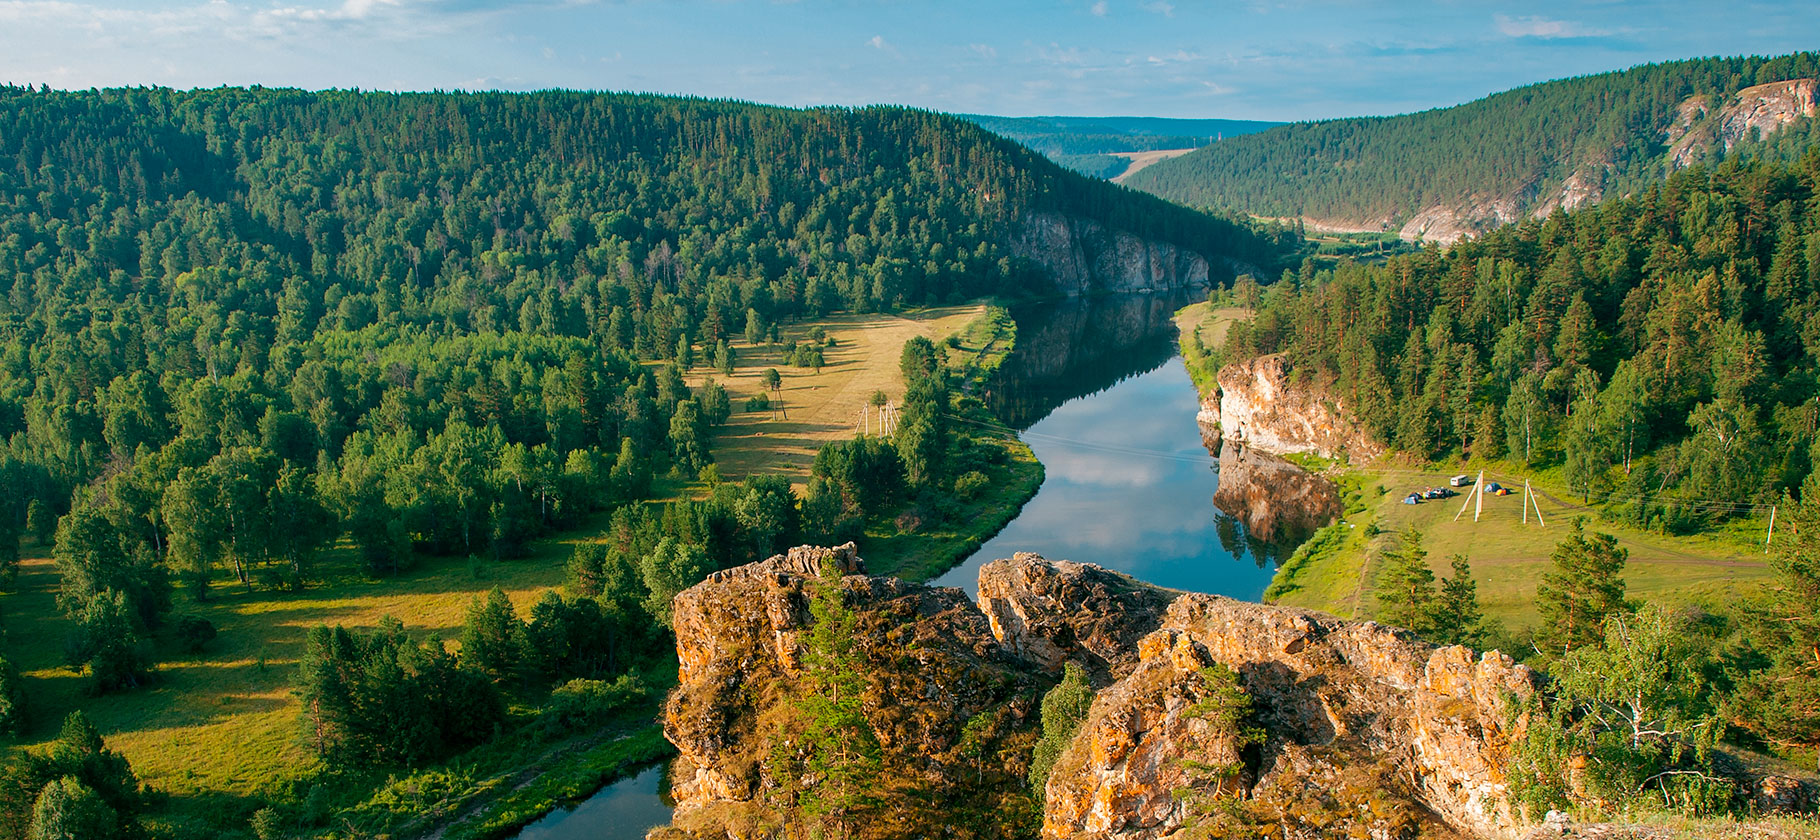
1367,730
1082,256
1754,112
1261,407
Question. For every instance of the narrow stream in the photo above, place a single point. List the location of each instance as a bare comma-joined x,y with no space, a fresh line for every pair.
624,810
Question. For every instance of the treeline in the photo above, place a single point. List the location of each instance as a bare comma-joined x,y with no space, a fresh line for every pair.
237,325
1522,144
1660,350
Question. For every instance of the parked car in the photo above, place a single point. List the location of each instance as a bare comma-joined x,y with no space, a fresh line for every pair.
1460,480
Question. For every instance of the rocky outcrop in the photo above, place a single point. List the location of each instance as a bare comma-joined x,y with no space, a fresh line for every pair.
1261,408
932,665
1082,256
1755,112
1367,731
1279,502
1448,223
1051,612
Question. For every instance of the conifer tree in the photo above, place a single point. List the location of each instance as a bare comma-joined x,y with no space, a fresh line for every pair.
1781,703
1405,585
1583,590
493,638
843,753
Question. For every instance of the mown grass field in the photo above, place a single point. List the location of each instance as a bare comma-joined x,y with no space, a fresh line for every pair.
818,407
1510,556
1211,324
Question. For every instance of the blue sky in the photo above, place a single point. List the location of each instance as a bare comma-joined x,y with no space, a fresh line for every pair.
1173,58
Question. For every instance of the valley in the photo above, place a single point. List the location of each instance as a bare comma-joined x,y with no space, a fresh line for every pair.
475,465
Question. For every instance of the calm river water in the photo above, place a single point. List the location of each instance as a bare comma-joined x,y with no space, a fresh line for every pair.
1104,402
1129,486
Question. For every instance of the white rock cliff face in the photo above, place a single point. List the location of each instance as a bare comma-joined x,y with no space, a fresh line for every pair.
1084,257
1259,408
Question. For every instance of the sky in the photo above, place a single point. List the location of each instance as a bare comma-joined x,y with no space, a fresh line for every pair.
1234,59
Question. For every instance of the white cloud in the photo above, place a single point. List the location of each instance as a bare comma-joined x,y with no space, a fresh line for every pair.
1161,7
983,50
1174,58
1536,26
1099,9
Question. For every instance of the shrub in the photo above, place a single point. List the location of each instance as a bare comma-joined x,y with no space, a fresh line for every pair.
584,704
194,633
758,403
970,485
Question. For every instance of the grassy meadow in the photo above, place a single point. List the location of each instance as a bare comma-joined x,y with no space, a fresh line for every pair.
818,406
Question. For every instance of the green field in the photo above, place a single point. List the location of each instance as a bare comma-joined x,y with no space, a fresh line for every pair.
1508,555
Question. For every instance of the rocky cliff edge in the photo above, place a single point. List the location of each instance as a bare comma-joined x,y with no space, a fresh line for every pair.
1084,257
1366,729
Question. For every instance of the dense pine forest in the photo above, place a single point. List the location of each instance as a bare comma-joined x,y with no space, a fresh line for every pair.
1612,129
429,320
1661,349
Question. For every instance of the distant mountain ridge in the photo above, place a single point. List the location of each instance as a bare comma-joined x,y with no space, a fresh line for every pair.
1101,146
1451,172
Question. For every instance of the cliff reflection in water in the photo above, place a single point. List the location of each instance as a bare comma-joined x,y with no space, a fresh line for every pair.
1109,410
1080,346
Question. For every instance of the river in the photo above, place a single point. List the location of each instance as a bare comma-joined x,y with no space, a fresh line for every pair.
1097,392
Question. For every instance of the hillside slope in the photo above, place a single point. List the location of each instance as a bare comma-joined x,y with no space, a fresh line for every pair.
1448,172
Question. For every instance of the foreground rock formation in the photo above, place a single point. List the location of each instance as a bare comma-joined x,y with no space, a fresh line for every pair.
932,666
1366,730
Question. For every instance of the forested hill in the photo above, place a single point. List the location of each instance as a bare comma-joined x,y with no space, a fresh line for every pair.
1446,172
444,322
1661,350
